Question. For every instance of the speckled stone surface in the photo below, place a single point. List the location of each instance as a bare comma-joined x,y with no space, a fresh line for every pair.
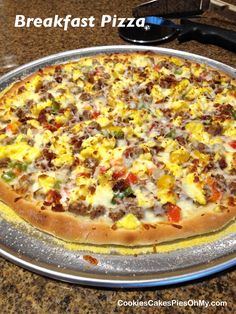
24,292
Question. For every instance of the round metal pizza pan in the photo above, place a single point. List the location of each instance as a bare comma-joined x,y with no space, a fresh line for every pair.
40,253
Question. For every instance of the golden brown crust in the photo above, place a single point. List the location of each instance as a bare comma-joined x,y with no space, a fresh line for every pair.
71,228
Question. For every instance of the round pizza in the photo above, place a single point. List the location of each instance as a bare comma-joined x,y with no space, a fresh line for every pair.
124,148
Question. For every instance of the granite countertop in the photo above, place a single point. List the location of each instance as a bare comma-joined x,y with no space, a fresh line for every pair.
25,292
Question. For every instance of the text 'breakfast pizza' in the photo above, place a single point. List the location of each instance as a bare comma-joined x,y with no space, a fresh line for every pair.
127,148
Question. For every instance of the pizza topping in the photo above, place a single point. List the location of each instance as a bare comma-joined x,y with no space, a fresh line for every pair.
8,176
4,162
129,222
233,144
173,212
215,193
52,197
97,212
79,208
232,187
222,163
116,215
57,208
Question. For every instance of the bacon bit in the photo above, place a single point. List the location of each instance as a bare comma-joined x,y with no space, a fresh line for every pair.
52,127
173,212
153,125
58,79
118,174
2,131
231,201
21,90
84,174
215,194
58,208
132,178
92,189
233,144
92,260
52,196
196,179
95,114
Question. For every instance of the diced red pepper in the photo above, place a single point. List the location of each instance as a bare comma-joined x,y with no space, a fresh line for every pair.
173,212
233,144
118,174
95,114
103,169
132,178
215,194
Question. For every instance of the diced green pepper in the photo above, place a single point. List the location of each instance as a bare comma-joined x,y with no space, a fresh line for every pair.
128,192
123,194
19,165
234,114
142,106
57,184
8,176
178,72
55,106
171,134
118,134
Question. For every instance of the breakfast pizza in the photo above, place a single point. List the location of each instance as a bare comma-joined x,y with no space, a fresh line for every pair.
124,148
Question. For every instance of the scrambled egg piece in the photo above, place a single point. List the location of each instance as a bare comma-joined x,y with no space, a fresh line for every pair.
129,222
231,129
169,144
40,106
143,201
46,182
179,156
196,129
103,196
19,151
165,183
194,189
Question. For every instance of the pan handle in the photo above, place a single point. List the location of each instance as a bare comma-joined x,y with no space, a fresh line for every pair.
207,34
